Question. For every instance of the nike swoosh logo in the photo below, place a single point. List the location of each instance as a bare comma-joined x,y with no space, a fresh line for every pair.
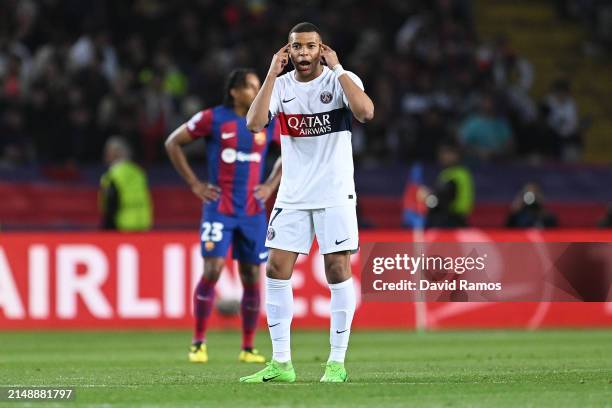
289,100
339,332
203,298
339,242
276,324
266,379
227,135
263,255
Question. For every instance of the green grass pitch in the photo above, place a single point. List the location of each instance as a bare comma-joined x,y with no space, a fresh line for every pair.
386,369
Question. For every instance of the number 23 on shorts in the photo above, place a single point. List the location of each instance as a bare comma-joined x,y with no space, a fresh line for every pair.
212,231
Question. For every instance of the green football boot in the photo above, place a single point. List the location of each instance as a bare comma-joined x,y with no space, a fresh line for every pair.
274,372
334,372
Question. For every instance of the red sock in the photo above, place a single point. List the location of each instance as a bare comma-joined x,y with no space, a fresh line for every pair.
203,301
249,308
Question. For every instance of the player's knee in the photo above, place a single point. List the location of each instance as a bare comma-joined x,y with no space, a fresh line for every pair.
337,271
213,268
272,269
275,270
212,275
249,274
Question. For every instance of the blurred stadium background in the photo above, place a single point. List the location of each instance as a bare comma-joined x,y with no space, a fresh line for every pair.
523,87
73,73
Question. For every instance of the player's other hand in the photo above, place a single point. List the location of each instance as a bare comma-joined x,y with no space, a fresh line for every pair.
329,56
262,192
205,191
280,60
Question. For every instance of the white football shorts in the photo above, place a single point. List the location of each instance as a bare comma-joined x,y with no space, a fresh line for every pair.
294,230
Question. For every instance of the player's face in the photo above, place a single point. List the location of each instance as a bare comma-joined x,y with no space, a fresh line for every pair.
305,52
245,95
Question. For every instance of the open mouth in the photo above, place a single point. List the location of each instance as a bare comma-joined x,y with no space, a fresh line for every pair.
303,66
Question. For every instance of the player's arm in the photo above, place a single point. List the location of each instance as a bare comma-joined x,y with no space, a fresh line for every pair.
359,102
174,147
265,190
257,116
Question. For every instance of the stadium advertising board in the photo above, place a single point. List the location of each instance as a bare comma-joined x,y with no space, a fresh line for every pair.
102,280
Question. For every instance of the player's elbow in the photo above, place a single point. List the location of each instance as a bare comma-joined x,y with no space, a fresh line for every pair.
255,120
366,114
170,143
254,125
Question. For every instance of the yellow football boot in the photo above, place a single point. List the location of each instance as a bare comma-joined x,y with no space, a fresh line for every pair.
251,356
198,353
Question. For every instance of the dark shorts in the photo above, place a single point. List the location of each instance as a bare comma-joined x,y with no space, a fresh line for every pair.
246,234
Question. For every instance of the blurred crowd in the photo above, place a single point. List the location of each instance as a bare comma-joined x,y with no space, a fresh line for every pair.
595,16
75,72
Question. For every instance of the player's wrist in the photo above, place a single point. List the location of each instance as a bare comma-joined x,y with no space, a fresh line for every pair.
272,73
194,182
338,70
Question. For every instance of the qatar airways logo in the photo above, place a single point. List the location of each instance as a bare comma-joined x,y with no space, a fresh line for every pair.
309,125
318,124
230,156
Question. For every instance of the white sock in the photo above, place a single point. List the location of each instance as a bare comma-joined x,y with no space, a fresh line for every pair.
342,310
279,308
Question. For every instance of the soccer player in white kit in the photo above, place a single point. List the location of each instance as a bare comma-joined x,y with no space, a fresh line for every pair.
314,104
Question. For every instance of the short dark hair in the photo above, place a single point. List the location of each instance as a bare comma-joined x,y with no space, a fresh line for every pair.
305,27
235,79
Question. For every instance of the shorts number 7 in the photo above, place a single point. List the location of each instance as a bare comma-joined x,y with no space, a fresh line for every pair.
278,211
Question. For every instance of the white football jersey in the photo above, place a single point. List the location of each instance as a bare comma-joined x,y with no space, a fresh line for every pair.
316,149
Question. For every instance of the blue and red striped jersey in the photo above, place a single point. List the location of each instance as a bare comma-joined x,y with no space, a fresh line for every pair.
236,157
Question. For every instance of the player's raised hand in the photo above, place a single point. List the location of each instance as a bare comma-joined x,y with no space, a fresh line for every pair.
280,60
205,191
262,192
329,56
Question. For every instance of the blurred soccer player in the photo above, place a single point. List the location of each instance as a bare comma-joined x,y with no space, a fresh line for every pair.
233,211
314,104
